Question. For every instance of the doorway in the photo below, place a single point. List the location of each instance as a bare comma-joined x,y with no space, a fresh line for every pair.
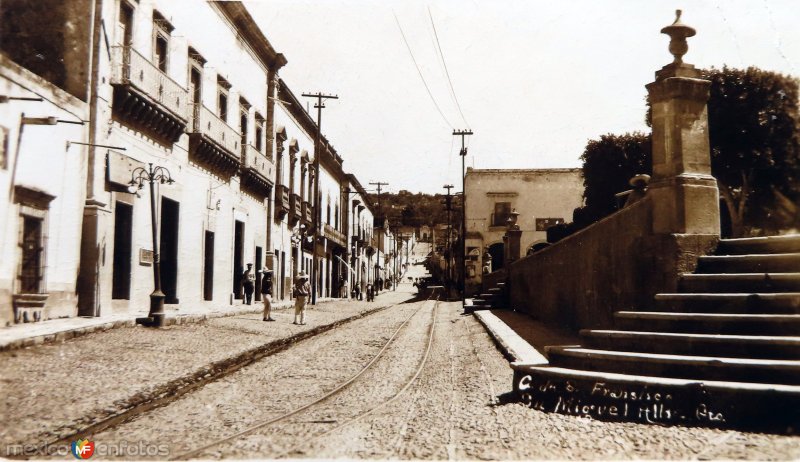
238,267
123,228
170,218
497,252
259,274
208,267
31,272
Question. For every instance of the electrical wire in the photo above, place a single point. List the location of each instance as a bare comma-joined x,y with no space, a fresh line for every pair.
420,71
447,73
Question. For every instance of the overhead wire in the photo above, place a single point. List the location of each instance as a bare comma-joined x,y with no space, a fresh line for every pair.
420,71
446,71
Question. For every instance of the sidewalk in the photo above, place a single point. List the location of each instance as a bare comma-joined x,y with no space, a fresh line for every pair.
521,338
57,330
53,390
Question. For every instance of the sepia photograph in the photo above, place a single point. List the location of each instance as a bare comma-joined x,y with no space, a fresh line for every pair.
399,230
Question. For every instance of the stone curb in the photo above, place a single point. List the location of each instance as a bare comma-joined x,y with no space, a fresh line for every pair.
513,347
175,388
170,320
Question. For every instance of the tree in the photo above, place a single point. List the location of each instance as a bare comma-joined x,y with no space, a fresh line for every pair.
608,164
753,129
755,153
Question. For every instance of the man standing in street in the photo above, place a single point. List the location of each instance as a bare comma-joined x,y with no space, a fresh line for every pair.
249,284
301,291
266,293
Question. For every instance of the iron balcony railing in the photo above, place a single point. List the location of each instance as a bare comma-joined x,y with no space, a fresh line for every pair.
207,123
257,161
131,68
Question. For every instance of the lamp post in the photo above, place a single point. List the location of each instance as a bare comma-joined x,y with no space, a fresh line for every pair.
139,176
298,237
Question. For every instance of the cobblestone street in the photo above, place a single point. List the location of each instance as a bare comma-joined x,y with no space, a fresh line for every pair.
408,399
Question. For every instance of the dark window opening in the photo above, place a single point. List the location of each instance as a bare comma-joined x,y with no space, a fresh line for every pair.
502,211
160,52
223,106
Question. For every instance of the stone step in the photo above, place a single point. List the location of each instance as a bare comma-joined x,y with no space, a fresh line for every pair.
495,290
763,263
740,283
738,346
776,303
490,296
658,400
709,323
772,244
778,371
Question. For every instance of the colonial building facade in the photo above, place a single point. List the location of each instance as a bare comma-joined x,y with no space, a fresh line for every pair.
541,197
185,94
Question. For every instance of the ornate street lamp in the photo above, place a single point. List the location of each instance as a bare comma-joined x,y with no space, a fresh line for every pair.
299,235
152,175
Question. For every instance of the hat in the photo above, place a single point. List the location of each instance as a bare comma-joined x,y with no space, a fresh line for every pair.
249,265
302,275
266,270
640,179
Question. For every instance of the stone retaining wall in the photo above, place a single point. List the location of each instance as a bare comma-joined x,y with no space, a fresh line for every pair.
615,264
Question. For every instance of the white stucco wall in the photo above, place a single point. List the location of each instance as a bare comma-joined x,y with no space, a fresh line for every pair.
40,160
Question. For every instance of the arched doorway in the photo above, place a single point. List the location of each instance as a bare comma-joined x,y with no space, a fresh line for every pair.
497,252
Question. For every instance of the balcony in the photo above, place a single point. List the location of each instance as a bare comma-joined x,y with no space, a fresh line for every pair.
257,171
308,213
213,142
146,96
295,209
337,237
281,201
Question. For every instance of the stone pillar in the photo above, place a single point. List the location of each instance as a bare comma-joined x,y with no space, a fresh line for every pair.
512,240
684,194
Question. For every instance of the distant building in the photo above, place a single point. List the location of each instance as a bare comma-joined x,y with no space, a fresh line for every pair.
542,197
425,234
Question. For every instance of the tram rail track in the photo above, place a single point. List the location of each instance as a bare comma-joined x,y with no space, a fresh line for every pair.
420,367
173,390
327,396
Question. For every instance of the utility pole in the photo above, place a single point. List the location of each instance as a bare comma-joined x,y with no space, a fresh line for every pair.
463,134
317,212
448,203
380,184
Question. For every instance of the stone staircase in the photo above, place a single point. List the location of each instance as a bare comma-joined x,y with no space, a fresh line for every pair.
494,297
724,351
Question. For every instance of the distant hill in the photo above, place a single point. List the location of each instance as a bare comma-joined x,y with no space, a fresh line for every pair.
418,209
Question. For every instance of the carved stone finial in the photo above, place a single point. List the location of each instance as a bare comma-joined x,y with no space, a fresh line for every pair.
678,33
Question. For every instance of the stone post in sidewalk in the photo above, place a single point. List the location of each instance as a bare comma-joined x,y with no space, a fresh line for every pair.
683,194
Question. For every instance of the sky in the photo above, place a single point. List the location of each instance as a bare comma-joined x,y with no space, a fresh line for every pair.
534,80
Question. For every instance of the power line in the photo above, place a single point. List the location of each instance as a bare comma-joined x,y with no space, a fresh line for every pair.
419,71
447,73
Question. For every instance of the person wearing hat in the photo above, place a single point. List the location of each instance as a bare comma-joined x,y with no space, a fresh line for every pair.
639,184
249,284
266,293
302,289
